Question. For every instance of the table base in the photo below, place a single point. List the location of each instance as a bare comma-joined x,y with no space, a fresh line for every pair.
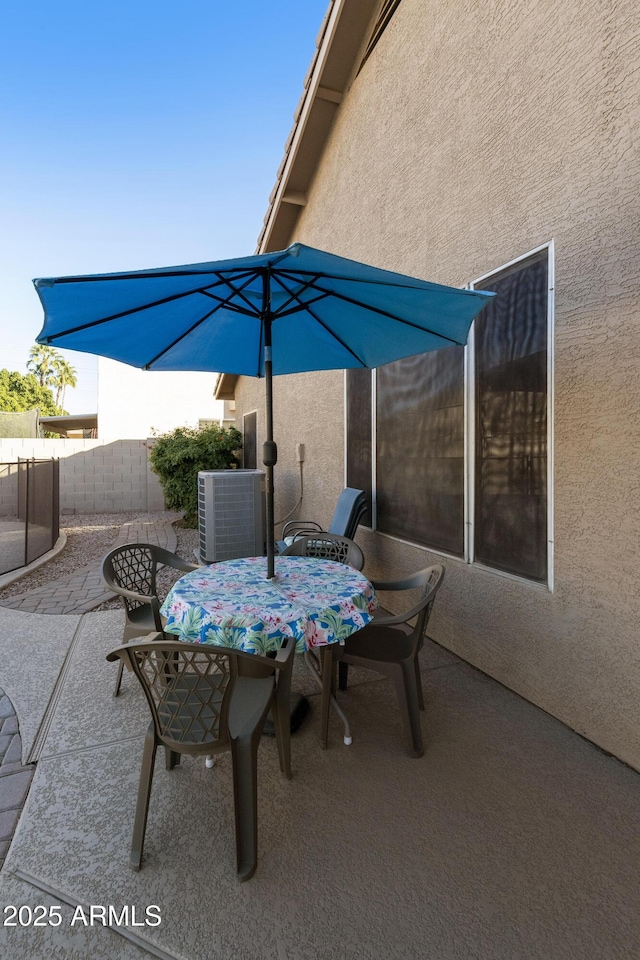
321,667
298,709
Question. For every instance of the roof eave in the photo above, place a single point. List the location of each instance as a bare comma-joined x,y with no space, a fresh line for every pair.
340,40
225,388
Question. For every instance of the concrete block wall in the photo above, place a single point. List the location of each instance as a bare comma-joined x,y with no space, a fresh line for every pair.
96,476
8,490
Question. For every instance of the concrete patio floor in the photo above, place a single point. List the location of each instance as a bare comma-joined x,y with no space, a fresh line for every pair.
511,838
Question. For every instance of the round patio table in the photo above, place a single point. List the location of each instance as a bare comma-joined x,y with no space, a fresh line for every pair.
233,604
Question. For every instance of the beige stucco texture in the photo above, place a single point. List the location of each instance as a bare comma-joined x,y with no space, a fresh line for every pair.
474,133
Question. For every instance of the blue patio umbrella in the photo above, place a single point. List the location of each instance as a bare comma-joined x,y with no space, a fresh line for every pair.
290,311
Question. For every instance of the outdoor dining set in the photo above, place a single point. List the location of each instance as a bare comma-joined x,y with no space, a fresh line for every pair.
266,315
215,659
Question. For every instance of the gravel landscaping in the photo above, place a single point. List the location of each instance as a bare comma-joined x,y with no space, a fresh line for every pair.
89,537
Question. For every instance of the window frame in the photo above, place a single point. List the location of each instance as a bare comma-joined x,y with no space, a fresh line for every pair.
470,458
250,413
470,465
372,419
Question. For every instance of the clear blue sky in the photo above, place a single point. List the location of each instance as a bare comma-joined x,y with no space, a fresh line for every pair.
137,134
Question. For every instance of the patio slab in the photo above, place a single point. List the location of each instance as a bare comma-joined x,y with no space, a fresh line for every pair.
68,941
32,651
80,721
512,839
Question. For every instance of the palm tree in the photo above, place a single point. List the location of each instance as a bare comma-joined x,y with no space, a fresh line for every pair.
52,370
40,362
65,376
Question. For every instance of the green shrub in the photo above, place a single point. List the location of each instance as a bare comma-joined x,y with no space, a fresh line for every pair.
177,457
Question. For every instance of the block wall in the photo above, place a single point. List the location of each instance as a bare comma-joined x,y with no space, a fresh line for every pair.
96,476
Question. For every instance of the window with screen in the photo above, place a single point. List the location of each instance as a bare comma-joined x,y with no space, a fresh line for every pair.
510,530
359,444
415,444
420,449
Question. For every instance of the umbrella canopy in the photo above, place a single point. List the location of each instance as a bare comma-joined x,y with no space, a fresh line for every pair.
291,311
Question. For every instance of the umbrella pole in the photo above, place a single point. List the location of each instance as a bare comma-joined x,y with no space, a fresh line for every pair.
269,448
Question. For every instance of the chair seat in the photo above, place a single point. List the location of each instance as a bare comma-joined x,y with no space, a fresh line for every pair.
141,619
376,642
250,698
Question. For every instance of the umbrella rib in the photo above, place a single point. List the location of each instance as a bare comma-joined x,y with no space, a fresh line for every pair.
291,275
301,306
222,303
147,366
126,313
225,303
118,316
385,313
144,275
238,292
324,325
305,286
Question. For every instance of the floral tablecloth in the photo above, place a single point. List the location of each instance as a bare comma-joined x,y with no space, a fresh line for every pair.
232,604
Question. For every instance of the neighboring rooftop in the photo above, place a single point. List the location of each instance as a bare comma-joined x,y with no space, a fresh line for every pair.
72,424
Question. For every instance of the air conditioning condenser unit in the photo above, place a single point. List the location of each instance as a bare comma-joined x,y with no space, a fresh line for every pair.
231,514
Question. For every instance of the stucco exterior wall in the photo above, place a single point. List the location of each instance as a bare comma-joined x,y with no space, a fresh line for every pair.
474,133
307,408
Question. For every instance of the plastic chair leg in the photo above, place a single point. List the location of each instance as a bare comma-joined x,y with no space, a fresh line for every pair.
142,803
343,675
282,727
244,754
171,758
116,691
407,693
416,664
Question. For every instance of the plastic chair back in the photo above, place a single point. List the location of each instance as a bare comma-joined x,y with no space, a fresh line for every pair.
130,572
350,508
326,546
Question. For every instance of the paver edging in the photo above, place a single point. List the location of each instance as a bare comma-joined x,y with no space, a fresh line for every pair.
82,590
15,777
